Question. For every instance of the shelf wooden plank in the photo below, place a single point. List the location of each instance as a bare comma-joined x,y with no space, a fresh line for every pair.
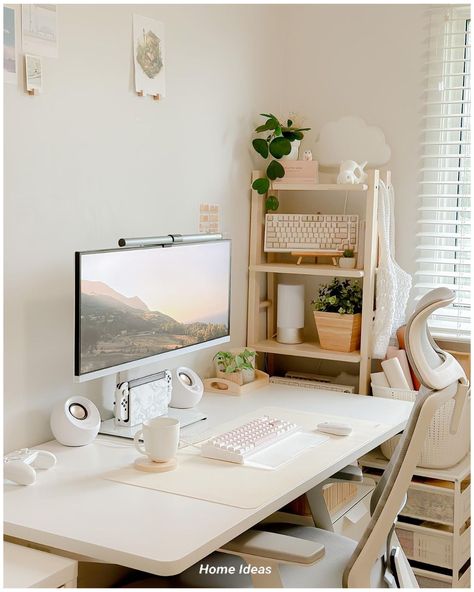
308,269
305,350
318,187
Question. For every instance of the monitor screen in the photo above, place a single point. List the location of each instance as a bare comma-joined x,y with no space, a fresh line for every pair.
133,305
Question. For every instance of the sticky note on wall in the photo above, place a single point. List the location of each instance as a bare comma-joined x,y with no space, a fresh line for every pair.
209,218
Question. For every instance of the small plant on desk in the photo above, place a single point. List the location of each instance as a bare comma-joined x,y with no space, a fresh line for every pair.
276,144
239,367
347,261
337,315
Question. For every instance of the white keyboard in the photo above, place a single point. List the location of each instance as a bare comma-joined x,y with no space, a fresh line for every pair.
254,436
310,232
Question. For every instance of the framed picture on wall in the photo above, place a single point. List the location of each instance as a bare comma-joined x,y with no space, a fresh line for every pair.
9,46
39,28
149,56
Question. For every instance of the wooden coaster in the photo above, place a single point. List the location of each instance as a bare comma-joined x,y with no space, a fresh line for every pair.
143,463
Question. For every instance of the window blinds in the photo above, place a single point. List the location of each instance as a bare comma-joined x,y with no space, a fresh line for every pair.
444,212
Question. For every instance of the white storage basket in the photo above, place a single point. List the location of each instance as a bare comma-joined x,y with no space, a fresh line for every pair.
442,449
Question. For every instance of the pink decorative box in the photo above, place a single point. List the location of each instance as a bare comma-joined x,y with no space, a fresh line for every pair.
300,171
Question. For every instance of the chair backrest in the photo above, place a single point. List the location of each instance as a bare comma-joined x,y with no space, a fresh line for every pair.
389,495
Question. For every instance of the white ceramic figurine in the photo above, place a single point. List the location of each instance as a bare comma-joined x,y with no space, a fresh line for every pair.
307,155
350,172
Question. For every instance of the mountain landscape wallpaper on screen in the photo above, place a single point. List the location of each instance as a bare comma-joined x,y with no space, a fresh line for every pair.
116,329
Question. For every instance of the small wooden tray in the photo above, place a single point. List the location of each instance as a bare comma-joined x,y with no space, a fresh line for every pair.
227,387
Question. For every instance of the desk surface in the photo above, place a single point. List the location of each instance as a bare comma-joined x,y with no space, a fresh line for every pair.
72,507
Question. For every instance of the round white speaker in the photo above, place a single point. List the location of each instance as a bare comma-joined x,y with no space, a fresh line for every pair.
75,421
187,388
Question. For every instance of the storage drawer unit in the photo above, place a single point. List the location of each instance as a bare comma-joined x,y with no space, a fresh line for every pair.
433,526
433,499
432,544
427,579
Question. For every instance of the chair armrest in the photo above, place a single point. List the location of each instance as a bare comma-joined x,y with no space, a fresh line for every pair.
349,473
279,547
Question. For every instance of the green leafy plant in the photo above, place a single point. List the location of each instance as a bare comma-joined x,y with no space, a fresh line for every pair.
229,363
275,145
349,253
342,296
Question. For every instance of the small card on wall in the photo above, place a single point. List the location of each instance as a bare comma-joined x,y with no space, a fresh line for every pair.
34,73
209,218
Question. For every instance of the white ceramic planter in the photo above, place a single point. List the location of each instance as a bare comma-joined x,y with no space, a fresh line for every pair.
293,155
347,262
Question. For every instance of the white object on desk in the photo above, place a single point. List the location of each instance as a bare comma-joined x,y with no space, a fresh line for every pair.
187,388
160,439
29,568
138,543
286,450
19,466
75,421
248,438
337,428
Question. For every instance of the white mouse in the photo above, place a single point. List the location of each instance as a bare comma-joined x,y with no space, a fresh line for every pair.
337,428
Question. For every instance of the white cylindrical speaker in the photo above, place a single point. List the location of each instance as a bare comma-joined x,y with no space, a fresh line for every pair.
187,388
75,421
290,313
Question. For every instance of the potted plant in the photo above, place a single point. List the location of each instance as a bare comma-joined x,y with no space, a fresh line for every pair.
237,367
337,315
278,142
347,261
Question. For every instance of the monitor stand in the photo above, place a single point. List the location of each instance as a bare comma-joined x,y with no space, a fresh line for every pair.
186,417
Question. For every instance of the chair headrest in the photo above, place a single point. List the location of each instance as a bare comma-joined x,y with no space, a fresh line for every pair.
435,368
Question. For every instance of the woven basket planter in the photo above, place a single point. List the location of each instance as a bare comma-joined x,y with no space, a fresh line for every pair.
338,332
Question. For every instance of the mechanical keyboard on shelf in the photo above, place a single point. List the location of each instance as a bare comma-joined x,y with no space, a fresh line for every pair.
310,232
249,438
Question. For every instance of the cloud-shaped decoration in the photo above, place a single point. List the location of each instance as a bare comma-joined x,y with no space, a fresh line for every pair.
350,138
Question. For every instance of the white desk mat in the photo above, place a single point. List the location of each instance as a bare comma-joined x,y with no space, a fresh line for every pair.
249,487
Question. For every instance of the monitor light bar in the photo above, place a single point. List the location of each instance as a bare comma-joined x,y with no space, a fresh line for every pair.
169,239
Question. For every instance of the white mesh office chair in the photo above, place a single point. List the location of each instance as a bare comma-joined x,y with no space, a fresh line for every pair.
309,557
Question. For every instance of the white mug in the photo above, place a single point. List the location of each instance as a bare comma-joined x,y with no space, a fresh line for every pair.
160,438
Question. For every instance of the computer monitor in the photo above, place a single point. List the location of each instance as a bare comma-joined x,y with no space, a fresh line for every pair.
135,306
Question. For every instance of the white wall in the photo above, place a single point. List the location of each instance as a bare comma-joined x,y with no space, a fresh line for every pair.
363,60
88,161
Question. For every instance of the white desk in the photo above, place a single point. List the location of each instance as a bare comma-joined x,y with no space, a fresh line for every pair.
73,508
